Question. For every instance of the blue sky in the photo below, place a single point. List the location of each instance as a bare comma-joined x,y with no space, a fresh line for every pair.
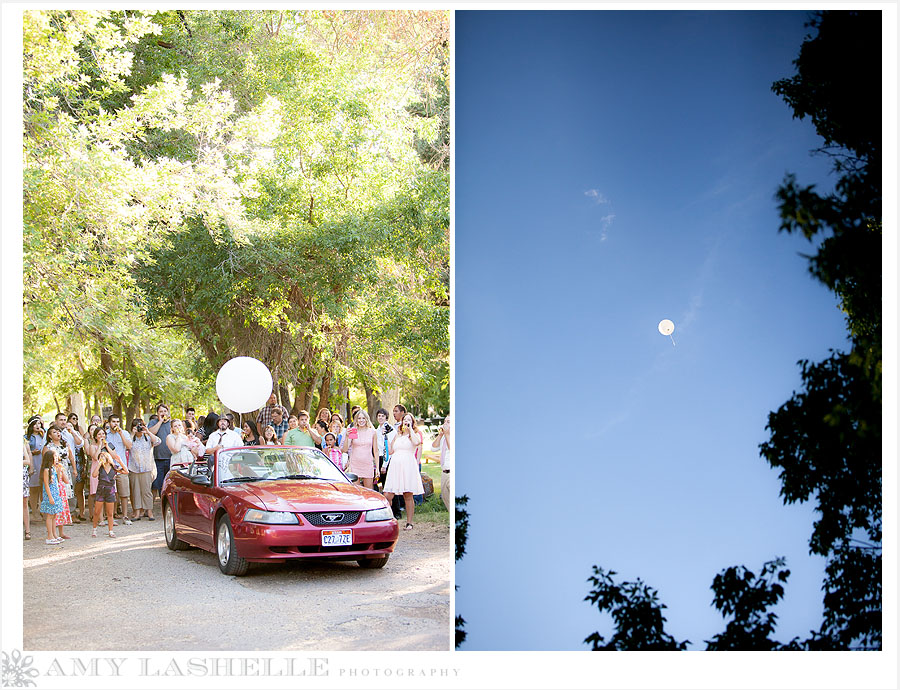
614,169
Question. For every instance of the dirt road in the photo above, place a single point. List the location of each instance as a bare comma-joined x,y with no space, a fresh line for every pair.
131,593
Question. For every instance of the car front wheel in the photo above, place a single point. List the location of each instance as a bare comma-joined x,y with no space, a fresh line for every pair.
373,562
172,540
226,550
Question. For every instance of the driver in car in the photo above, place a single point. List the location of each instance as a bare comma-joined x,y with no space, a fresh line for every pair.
222,437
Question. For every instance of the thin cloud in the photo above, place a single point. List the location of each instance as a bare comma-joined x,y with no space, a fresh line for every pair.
605,222
597,196
704,276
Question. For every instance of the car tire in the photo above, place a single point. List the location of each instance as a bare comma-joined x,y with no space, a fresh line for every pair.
371,563
226,550
172,540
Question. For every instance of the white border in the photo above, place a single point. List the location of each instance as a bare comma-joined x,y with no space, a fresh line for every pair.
463,669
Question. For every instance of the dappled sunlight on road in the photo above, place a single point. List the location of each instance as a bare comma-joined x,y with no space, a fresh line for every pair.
77,549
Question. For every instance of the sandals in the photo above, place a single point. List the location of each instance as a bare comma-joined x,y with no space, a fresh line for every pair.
112,534
408,527
64,536
94,532
27,536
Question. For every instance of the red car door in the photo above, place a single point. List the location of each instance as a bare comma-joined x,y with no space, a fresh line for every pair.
197,506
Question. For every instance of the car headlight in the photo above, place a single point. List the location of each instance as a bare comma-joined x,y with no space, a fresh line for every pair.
270,517
379,514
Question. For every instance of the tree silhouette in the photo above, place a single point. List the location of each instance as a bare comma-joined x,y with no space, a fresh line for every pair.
826,440
462,533
746,598
637,613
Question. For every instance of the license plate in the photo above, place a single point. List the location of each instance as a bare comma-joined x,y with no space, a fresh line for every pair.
337,537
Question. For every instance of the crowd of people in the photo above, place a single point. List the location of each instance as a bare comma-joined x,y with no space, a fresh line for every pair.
71,475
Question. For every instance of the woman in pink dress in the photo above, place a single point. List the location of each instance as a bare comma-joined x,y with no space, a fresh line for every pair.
363,449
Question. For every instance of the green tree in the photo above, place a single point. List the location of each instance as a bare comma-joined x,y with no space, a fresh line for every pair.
167,151
90,210
826,440
347,233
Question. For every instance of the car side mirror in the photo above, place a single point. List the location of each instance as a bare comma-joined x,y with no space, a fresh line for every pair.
352,477
201,479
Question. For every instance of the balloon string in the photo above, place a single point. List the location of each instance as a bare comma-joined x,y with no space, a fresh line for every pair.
672,339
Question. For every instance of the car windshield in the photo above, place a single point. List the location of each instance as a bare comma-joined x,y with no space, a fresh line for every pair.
261,463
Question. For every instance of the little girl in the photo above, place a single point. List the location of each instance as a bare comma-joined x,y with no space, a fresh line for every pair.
334,453
106,490
51,500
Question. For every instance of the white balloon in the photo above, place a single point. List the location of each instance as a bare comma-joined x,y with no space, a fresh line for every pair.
666,327
244,384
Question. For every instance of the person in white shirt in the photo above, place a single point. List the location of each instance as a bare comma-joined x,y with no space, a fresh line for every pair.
442,441
223,437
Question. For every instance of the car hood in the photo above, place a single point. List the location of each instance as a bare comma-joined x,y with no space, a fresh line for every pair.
301,495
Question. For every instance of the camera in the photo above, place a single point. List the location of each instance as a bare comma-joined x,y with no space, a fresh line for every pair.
388,428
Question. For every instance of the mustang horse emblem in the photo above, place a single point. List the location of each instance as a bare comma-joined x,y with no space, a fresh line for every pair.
332,517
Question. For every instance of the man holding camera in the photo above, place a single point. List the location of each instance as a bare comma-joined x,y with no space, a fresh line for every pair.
120,441
141,469
162,427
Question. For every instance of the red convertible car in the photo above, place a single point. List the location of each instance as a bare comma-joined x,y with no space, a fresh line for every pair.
271,503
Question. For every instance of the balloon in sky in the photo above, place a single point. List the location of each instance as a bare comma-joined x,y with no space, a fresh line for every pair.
244,384
666,327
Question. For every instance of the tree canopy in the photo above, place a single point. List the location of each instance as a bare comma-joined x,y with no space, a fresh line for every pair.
202,184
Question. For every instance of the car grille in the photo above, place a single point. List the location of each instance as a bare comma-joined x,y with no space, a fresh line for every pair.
348,517
324,550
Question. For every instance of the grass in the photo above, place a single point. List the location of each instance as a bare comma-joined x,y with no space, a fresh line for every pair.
433,510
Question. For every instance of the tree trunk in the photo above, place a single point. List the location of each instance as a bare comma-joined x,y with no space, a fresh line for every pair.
98,410
135,407
302,398
389,398
344,393
119,406
106,366
213,356
75,404
325,389
373,402
284,395
303,393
